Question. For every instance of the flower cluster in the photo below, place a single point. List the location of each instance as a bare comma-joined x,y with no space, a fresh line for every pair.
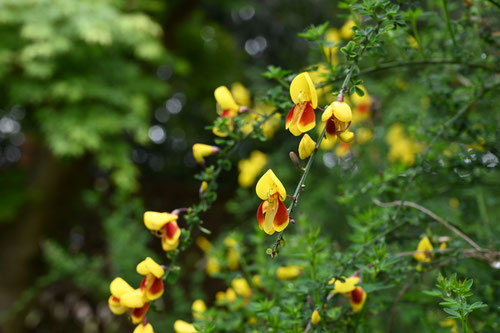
124,298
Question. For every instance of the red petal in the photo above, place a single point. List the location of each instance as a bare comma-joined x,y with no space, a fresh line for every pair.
156,287
331,129
308,119
171,228
226,114
143,283
357,295
260,216
289,117
281,218
362,108
139,313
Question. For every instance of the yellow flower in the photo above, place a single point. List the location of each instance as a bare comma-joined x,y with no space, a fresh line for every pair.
233,259
402,148
152,283
362,106
241,287
165,224
306,146
338,117
198,308
346,30
200,151
141,328
125,298
213,266
203,243
342,149
180,326
230,295
315,318
332,35
412,41
250,168
301,117
257,281
272,213
355,294
227,108
241,94
454,203
424,246
203,188
348,285
364,135
451,323
288,272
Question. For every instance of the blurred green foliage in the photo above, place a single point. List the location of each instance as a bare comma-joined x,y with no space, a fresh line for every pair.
95,78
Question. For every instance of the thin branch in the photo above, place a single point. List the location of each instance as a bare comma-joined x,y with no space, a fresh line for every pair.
429,62
431,214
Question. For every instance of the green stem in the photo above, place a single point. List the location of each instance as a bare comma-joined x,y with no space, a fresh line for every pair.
448,23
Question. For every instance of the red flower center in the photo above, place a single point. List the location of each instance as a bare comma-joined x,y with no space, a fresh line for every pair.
357,295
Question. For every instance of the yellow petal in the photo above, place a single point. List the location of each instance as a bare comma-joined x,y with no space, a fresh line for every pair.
225,99
344,287
198,308
119,287
115,306
302,90
230,295
269,183
327,114
346,30
424,246
241,94
241,287
341,111
180,326
346,136
203,243
149,266
288,272
133,299
201,150
315,318
144,328
306,146
156,221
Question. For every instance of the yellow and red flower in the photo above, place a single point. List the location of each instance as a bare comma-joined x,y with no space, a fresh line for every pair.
338,117
152,283
355,294
272,213
125,298
227,108
165,226
301,117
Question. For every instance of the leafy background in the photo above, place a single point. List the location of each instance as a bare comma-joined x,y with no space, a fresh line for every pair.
101,101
